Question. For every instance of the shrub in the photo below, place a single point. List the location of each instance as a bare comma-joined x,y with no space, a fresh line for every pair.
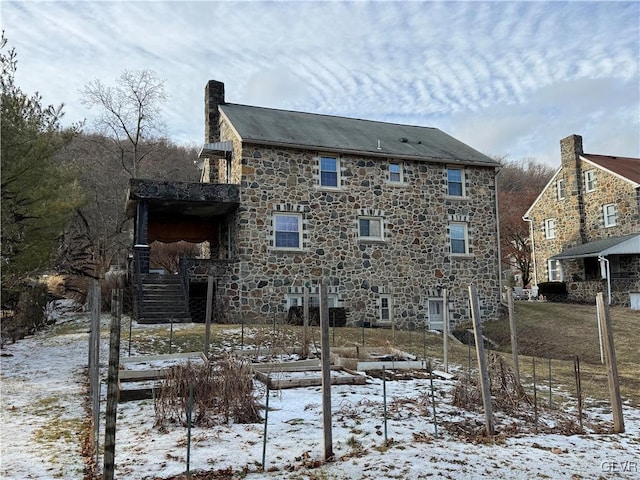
222,392
25,311
553,291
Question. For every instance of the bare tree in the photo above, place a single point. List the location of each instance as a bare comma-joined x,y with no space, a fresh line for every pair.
129,113
99,234
519,184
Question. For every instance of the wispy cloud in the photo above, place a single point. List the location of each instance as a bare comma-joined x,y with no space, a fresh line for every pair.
505,77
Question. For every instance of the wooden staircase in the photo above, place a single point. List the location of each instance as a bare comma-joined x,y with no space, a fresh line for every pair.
163,299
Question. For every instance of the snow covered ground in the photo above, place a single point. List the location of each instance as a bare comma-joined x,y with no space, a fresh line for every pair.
42,412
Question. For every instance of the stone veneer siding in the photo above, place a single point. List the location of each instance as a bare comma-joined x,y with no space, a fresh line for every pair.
609,189
412,262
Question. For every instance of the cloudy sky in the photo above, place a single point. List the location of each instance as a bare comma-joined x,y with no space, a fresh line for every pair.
507,78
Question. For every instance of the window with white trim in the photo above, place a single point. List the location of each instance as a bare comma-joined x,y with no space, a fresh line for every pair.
455,182
458,237
329,171
550,228
287,230
385,308
297,300
370,228
560,190
396,174
589,180
554,270
610,215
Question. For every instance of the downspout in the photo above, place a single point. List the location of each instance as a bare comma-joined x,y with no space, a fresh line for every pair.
533,250
605,271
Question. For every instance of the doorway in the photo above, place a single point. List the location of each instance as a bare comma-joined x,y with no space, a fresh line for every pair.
436,321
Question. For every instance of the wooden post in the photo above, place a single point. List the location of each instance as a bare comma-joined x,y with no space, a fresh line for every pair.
305,319
600,339
94,363
112,389
326,372
445,329
514,335
482,361
612,366
207,335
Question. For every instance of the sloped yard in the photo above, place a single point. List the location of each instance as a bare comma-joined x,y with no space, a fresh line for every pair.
43,417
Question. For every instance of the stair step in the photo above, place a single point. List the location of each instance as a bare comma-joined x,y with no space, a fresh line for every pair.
163,299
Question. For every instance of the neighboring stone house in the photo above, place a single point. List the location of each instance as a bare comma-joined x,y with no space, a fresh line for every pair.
585,225
391,215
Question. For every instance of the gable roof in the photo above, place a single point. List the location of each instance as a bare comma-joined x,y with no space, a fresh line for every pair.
286,128
626,167
622,245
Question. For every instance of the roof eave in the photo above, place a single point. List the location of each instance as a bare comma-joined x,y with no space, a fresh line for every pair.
379,154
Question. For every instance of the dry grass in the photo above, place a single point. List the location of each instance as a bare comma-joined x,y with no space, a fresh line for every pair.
558,331
561,332
214,393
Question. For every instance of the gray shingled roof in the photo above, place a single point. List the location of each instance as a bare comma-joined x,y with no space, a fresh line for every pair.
349,135
606,246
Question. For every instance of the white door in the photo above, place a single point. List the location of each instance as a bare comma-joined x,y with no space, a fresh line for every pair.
435,315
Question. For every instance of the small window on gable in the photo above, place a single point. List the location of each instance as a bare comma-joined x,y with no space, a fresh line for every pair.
458,237
560,189
395,172
385,308
610,215
329,172
455,182
370,228
589,180
550,228
554,271
287,229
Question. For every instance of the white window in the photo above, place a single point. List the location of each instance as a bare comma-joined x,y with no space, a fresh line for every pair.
455,182
610,215
395,172
560,189
590,180
287,229
555,271
385,308
459,238
297,300
370,228
550,228
329,172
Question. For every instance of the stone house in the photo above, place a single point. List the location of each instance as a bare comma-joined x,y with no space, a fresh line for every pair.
585,226
391,215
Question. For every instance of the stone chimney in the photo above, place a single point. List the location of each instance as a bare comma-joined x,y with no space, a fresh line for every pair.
570,151
213,96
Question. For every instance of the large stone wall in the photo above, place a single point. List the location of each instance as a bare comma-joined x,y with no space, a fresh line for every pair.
412,264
